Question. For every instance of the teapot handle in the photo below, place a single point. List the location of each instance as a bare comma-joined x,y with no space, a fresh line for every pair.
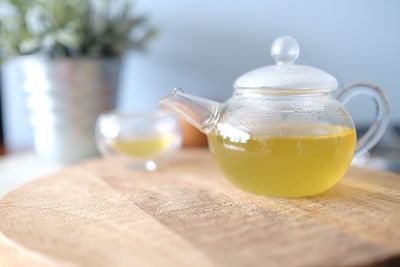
378,128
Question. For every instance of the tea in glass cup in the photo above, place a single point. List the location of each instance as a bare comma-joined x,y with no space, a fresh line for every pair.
139,140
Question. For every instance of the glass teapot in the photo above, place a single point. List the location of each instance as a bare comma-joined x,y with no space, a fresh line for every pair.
282,133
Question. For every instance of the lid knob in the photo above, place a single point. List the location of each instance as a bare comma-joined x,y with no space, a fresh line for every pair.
285,50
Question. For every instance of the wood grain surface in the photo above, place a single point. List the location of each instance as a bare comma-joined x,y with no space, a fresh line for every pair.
101,214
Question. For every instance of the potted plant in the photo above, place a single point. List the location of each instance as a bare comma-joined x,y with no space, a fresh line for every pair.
68,54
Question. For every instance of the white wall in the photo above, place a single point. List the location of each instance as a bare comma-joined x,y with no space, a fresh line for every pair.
204,45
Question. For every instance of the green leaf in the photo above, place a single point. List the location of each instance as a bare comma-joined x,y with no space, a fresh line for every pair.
68,28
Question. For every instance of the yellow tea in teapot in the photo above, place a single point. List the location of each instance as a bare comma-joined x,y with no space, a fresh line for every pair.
294,165
142,148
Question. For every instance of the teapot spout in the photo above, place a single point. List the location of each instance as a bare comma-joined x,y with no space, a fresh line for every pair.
200,112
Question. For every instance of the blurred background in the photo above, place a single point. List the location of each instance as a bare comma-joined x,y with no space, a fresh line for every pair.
203,46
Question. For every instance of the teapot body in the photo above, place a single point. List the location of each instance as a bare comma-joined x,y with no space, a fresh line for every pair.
282,133
282,114
283,145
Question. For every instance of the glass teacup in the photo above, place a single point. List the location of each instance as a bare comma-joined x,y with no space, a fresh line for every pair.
138,140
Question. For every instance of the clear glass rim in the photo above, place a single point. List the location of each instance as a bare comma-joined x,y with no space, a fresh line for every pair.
281,91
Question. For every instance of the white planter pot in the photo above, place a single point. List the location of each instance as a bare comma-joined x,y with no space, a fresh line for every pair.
64,98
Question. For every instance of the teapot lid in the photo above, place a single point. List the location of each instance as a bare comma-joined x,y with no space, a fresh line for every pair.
285,75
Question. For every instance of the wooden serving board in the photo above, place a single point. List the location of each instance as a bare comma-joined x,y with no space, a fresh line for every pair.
101,214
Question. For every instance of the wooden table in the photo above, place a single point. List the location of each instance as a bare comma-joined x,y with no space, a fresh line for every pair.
21,167
99,213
